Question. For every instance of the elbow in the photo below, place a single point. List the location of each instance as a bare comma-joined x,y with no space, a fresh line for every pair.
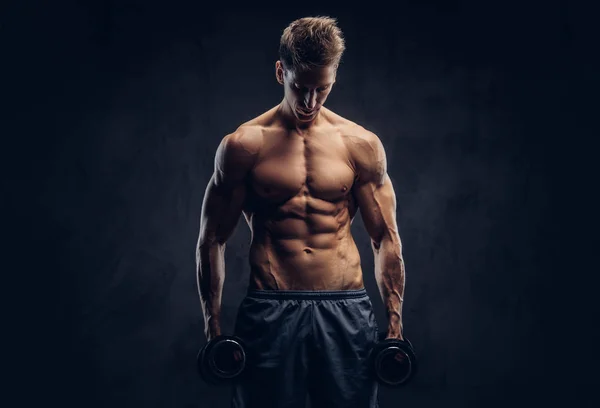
379,239
206,246
209,240
206,242
376,244
388,241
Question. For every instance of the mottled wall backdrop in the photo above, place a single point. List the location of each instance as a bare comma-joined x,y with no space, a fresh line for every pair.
134,98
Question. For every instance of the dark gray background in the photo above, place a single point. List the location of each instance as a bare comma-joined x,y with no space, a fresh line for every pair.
120,106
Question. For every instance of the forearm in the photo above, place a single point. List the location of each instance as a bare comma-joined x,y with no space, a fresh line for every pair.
390,277
210,261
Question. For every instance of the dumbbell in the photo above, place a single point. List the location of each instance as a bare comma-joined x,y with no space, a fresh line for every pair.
222,359
394,361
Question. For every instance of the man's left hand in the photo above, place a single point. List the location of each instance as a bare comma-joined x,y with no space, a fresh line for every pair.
394,334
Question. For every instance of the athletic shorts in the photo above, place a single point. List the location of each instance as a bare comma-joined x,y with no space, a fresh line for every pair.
303,344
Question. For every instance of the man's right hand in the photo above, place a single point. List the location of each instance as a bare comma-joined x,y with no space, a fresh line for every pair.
212,331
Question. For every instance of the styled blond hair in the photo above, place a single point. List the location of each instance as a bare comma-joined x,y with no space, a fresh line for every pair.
311,41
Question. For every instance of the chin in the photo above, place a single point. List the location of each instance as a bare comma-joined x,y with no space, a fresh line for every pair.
303,118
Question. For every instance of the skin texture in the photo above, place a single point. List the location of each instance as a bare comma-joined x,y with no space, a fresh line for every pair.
299,181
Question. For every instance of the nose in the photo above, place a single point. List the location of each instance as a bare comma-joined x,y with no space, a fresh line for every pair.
310,99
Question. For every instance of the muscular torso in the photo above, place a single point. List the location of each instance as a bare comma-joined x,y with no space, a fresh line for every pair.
299,206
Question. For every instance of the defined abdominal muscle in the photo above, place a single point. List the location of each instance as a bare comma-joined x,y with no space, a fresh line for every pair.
317,261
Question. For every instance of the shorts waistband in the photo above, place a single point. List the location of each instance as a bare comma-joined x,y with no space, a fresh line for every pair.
307,294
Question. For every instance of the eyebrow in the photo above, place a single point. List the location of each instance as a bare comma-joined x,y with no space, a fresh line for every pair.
320,86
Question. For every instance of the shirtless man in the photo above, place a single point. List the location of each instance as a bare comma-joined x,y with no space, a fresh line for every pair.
299,173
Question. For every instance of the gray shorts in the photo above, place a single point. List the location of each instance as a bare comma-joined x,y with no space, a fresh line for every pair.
306,343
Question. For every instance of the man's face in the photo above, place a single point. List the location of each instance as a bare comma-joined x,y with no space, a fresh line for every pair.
306,91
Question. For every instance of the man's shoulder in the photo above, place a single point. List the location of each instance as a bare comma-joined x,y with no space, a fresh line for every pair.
250,134
239,149
351,130
246,138
364,147
361,142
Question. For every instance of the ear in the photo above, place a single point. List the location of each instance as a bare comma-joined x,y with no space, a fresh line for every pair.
279,72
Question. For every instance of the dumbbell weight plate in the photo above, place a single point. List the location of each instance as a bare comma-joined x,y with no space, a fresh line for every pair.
221,359
394,361
227,358
393,366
